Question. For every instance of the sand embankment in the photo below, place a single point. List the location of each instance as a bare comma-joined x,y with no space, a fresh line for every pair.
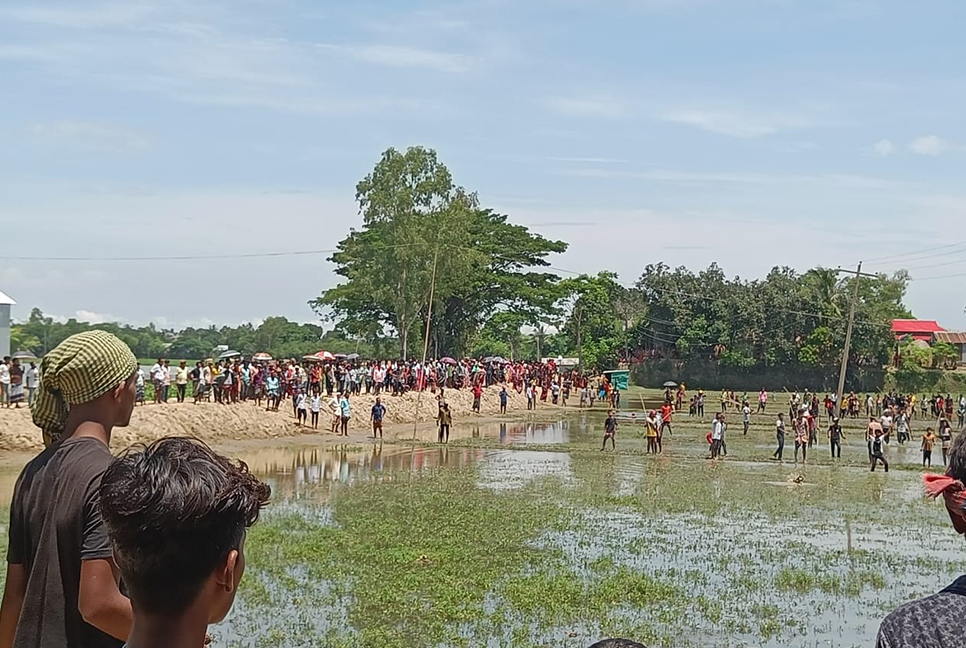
215,423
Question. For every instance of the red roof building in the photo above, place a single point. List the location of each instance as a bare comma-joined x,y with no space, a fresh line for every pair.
916,329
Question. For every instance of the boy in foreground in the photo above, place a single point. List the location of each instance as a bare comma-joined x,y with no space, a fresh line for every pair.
177,514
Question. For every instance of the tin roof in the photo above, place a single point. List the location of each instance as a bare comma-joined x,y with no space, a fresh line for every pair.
953,337
6,300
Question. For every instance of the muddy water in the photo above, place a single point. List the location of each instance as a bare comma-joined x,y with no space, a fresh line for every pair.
840,527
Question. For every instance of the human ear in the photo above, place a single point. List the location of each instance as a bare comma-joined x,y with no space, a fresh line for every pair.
226,574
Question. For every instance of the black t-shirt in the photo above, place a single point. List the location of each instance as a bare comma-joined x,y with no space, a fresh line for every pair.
54,525
835,432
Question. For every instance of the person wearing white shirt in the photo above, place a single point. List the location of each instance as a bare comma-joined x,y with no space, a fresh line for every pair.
157,378
5,382
886,422
32,379
717,435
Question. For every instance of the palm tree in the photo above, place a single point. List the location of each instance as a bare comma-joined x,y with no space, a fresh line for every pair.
825,282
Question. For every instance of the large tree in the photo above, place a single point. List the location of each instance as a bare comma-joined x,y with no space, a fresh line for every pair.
423,235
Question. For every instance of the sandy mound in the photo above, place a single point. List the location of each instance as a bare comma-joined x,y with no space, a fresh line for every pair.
212,422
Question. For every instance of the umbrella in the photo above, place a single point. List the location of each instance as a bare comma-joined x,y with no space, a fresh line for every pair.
229,354
497,360
353,356
312,358
340,356
488,359
325,355
670,383
262,357
23,355
448,361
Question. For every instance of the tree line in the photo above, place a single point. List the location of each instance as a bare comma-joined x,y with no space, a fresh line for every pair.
429,251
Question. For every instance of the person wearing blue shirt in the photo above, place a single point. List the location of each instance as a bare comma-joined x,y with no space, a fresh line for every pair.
346,411
378,413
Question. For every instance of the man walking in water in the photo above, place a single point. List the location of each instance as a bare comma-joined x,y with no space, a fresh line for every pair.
717,435
835,438
801,437
780,435
610,430
877,455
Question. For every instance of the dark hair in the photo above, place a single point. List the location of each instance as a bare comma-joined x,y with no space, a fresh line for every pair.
617,643
174,509
957,458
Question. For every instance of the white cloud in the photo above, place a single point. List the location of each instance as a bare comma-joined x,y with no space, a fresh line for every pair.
735,123
933,145
86,17
94,318
99,136
587,160
737,177
883,148
412,57
590,106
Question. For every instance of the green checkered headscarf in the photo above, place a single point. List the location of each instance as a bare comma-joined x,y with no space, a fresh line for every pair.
82,368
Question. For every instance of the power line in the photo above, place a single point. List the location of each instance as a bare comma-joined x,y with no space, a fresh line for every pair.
185,257
917,252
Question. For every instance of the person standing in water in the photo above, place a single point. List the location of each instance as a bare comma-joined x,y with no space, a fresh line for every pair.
928,440
877,455
801,437
945,439
610,431
445,419
652,431
780,435
835,436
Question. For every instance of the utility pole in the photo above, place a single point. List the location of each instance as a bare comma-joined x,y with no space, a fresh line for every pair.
848,333
429,318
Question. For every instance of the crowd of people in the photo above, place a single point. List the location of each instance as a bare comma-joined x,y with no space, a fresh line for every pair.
18,383
314,386
169,520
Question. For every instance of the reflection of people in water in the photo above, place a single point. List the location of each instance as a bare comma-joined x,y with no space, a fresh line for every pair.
617,643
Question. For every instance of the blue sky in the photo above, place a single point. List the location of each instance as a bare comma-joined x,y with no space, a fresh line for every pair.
753,133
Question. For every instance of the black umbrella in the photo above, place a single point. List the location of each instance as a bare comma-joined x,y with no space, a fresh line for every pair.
23,355
670,383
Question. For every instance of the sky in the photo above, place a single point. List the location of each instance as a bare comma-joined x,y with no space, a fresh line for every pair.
751,133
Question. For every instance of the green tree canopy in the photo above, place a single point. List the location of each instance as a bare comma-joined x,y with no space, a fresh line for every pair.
417,225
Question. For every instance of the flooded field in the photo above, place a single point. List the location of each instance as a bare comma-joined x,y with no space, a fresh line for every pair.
559,546
525,534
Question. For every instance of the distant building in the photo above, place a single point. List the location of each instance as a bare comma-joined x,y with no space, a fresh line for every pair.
5,304
957,339
916,329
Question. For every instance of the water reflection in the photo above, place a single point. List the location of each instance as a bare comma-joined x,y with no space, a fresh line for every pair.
292,473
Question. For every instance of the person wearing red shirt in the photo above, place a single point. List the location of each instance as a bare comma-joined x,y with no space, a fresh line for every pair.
666,411
477,395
